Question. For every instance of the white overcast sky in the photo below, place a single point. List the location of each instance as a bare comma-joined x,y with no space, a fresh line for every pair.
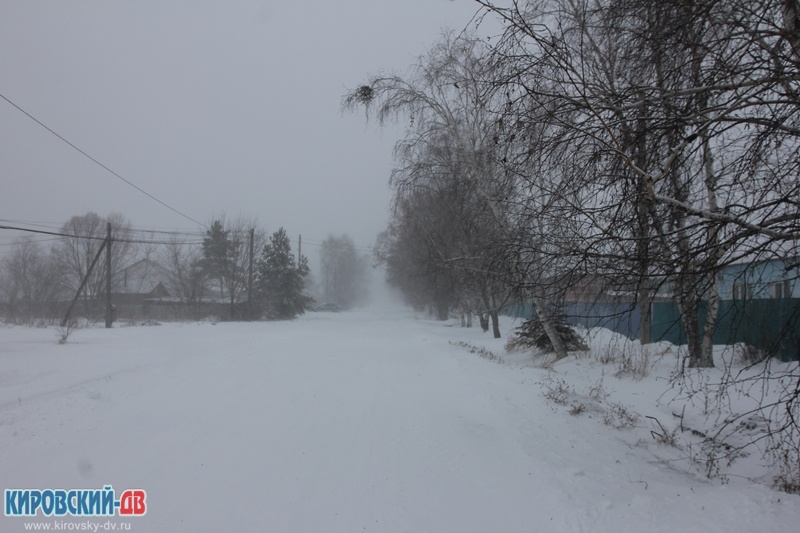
212,106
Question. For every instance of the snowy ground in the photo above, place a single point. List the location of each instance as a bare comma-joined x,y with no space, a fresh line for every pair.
363,421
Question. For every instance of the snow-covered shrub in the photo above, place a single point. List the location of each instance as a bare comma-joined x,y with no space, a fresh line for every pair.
557,391
662,435
577,408
478,350
63,332
598,392
634,362
746,355
631,358
531,335
788,479
620,416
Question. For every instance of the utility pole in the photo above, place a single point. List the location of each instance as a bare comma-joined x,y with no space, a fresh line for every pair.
250,275
299,248
65,320
109,307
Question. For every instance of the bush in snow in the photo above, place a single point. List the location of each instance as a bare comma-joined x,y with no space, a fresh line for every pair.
747,355
620,416
483,352
531,335
557,391
64,331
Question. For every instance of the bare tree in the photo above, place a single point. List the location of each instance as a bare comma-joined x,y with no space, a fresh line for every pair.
31,283
454,223
682,127
75,253
403,251
344,272
446,169
669,105
184,260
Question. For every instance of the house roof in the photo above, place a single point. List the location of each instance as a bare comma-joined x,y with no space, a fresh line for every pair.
145,277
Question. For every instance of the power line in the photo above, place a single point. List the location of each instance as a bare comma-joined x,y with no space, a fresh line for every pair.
163,232
56,233
129,234
101,165
37,241
340,246
167,232
92,237
38,224
128,230
138,235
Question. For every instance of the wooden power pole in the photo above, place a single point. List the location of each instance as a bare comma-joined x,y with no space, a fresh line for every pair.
250,275
109,307
85,279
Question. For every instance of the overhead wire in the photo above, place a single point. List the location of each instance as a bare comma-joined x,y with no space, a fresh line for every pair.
35,241
135,235
55,226
338,246
101,165
93,237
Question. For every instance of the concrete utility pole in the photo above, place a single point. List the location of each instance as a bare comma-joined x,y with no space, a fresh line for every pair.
65,320
250,273
109,307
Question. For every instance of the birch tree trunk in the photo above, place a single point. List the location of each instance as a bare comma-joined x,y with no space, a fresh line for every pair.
549,328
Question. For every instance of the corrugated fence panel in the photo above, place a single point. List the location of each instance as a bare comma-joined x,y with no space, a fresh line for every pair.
772,325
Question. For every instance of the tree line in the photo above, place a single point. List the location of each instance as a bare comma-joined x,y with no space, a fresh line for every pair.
637,146
232,268
615,147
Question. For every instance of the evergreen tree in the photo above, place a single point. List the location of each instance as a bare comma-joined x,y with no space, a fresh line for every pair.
216,253
280,280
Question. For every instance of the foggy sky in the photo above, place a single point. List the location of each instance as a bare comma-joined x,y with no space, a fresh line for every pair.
214,106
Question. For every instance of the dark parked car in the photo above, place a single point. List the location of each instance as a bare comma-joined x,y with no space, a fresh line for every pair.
329,306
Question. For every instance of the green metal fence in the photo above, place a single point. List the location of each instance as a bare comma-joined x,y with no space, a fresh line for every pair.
772,325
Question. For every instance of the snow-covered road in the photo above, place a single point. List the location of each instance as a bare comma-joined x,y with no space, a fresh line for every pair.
363,421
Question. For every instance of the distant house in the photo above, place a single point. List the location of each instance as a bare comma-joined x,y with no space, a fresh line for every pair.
759,306
148,290
759,280
144,280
